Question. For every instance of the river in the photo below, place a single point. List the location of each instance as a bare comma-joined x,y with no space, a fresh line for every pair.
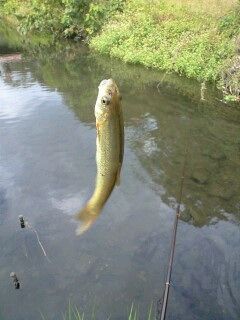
47,172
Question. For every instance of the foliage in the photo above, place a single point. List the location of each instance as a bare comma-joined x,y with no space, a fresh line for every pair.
33,14
99,13
230,23
169,38
66,18
231,98
230,79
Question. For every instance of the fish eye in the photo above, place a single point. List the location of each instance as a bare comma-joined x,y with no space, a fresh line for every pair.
105,100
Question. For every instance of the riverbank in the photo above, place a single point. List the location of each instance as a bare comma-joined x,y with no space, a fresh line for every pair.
199,41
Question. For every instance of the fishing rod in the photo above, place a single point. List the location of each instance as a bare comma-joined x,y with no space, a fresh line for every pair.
173,244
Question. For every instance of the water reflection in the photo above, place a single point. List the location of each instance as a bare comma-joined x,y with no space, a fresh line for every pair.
3,204
159,128
47,125
211,188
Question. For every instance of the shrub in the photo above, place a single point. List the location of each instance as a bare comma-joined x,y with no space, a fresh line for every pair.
66,18
169,37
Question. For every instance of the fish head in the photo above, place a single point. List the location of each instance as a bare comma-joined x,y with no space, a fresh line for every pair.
108,97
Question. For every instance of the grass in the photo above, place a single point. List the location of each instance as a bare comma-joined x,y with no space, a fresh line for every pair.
168,37
133,314
193,38
215,8
73,313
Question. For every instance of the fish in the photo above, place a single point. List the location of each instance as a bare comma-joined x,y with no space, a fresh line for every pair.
109,151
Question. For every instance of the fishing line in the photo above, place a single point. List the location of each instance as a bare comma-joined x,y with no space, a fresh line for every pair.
38,240
24,223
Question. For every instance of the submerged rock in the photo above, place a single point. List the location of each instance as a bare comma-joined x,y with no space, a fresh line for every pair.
223,189
200,175
214,153
147,247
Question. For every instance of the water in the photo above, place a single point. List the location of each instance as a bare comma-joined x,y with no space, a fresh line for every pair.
47,172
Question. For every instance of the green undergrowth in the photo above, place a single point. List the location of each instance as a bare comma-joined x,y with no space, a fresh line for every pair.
170,37
63,18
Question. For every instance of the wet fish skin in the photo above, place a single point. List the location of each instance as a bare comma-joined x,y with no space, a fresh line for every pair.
109,151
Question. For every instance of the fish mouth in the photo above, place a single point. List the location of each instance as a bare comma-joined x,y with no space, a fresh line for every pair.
105,82
107,92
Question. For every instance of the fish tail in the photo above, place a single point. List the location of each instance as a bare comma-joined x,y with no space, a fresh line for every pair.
87,216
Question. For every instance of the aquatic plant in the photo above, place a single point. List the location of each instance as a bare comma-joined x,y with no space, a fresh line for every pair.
73,313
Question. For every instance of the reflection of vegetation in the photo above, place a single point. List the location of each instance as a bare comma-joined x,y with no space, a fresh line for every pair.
8,41
70,55
212,177
166,83
163,113
14,42
136,77
211,185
